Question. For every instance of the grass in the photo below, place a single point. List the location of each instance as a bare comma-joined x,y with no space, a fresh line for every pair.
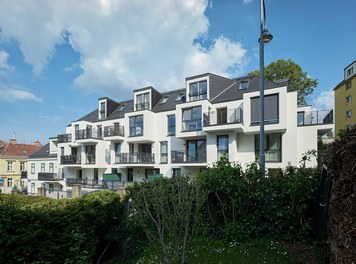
209,251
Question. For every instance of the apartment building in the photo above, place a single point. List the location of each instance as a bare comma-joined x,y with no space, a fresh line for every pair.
13,164
345,107
183,131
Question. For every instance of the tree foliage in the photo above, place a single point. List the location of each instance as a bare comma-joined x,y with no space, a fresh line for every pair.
298,79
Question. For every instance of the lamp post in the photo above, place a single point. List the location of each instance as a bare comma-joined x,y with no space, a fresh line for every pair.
265,37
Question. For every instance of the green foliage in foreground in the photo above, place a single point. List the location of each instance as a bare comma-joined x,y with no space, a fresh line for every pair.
43,230
209,251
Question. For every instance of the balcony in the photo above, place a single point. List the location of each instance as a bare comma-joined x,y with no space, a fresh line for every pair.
70,159
64,138
87,134
142,106
191,125
223,120
112,131
321,117
48,176
134,158
89,159
95,184
182,157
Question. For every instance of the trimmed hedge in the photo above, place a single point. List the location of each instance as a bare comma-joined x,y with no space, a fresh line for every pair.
43,230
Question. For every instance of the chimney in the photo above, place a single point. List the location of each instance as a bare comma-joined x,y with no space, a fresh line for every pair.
37,143
13,140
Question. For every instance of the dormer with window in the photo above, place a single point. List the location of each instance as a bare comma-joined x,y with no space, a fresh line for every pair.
350,70
105,107
142,101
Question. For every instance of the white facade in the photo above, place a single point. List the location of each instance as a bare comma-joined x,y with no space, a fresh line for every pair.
139,137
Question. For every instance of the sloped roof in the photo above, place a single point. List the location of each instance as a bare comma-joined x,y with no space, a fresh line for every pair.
42,153
91,117
171,102
16,149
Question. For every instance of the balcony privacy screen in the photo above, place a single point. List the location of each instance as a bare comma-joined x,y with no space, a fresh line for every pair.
271,109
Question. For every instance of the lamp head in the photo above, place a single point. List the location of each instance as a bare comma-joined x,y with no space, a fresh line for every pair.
266,36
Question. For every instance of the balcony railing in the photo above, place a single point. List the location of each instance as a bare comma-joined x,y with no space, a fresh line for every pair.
70,159
320,117
142,106
231,116
182,157
89,159
135,157
48,176
110,131
64,138
96,184
191,125
87,134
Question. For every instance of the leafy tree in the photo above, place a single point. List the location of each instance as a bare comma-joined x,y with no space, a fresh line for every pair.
298,79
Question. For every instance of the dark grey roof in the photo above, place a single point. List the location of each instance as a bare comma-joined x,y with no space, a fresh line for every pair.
218,84
235,93
42,153
171,102
91,117
127,108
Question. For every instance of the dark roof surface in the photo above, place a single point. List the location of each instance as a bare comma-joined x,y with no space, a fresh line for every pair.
171,102
42,153
91,117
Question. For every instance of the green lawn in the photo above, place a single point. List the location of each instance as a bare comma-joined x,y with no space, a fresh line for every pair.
214,251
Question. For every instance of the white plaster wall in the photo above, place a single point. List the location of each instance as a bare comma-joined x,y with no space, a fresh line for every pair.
307,140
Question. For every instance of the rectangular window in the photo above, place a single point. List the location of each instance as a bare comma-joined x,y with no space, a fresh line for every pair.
100,132
43,168
223,146
22,166
164,152
136,126
348,99
271,109
90,154
191,119
350,71
348,113
171,121
300,118
143,101
196,151
272,146
10,166
51,169
221,116
102,110
197,91
243,84
9,182
176,172
348,85
32,168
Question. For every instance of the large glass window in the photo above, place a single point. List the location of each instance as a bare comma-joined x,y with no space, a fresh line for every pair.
143,101
272,146
90,154
191,119
171,121
197,91
136,126
271,109
10,166
164,152
223,146
196,151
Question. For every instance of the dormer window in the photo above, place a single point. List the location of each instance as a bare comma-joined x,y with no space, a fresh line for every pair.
102,110
243,85
197,91
143,101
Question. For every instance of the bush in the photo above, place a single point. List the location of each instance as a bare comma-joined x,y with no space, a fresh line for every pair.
42,230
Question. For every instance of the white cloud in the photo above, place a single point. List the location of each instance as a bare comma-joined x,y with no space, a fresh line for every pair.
123,45
247,1
12,93
3,61
325,100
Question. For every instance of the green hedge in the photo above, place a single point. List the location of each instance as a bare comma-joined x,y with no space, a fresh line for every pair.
43,230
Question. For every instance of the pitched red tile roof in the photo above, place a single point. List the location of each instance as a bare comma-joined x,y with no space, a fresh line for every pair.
15,149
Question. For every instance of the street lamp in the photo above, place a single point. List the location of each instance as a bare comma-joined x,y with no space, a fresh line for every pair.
265,37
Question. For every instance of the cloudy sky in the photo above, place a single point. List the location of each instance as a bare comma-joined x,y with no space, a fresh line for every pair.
58,57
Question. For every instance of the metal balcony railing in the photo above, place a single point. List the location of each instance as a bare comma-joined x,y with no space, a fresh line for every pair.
135,157
48,176
63,138
70,159
191,125
87,134
230,116
116,130
142,106
182,157
318,117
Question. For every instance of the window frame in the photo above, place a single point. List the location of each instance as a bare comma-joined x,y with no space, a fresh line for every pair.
267,147
163,155
171,127
143,101
221,152
266,122
134,125
348,113
191,121
10,166
22,166
348,99
43,167
33,168
348,85
201,90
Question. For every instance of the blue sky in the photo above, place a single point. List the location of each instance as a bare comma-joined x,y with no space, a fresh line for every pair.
58,57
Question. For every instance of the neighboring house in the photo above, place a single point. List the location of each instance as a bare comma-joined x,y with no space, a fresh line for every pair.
345,99
13,164
183,131
43,170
